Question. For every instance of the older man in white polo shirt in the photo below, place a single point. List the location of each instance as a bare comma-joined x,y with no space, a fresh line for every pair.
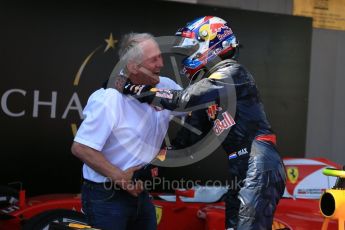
118,135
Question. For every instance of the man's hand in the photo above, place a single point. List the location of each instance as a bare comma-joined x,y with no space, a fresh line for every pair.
99,163
127,184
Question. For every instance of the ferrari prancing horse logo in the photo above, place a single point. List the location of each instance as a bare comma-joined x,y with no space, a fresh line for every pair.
159,213
292,174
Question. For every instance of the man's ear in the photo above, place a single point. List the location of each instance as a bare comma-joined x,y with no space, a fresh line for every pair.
132,67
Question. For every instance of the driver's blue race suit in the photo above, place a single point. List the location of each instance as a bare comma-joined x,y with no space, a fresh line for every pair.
255,166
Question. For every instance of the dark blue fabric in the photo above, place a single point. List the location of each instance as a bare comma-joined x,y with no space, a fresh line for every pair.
258,183
257,179
114,209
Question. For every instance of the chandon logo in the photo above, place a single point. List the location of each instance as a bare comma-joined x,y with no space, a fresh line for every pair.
73,104
50,102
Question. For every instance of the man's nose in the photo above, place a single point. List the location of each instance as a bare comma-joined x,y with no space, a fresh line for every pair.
159,62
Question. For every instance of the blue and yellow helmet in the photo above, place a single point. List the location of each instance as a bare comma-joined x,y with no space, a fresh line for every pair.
206,38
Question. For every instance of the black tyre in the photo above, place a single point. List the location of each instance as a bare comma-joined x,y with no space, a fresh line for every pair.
62,216
8,196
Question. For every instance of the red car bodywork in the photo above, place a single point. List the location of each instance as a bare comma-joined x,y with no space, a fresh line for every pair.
298,210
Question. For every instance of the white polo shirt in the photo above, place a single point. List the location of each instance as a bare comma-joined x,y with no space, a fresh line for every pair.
127,132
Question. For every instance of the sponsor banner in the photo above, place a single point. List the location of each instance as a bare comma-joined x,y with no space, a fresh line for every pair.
54,56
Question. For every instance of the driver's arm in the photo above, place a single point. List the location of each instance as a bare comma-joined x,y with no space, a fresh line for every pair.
181,100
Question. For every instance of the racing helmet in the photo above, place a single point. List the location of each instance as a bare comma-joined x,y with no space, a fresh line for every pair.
206,39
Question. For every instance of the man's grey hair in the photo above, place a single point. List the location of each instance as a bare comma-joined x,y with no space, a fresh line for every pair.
129,48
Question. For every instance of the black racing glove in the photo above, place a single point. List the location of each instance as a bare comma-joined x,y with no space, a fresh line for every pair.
163,98
168,98
140,92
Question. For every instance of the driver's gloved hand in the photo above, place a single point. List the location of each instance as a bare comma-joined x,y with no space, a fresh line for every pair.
169,98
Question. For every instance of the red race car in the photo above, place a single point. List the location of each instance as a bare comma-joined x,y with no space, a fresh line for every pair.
201,208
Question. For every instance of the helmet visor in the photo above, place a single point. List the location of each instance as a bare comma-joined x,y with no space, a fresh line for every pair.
185,46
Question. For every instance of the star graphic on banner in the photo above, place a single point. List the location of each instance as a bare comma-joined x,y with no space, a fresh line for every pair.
110,43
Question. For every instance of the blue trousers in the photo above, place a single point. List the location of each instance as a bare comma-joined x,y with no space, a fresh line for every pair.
114,209
258,184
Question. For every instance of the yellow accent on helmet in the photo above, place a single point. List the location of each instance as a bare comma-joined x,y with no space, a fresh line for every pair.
206,34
